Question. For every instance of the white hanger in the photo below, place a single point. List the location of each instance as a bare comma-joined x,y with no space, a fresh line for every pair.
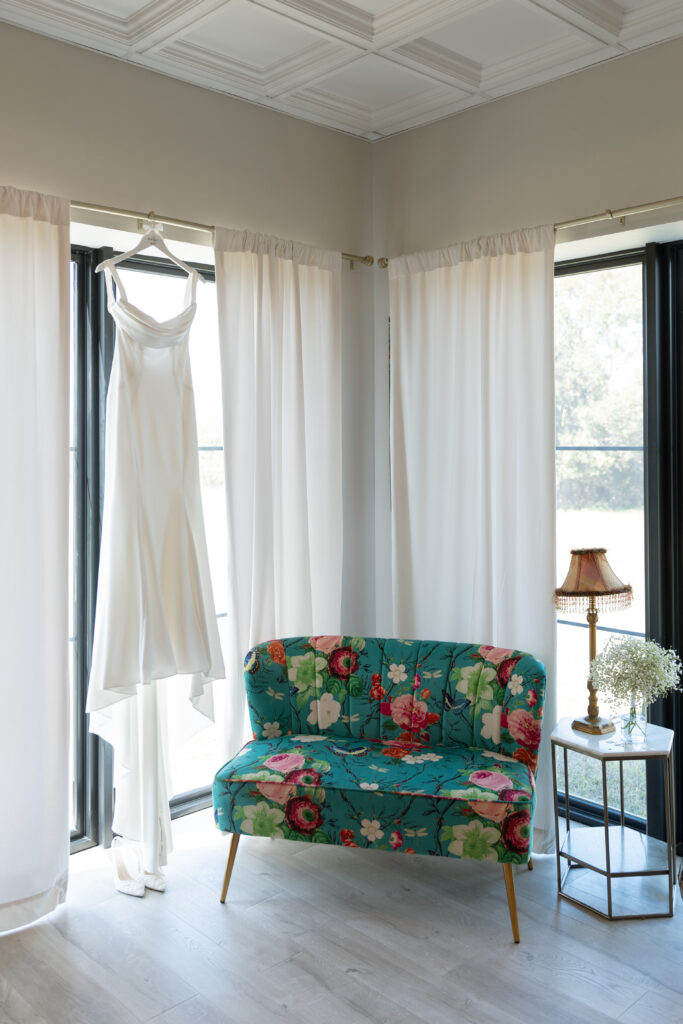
149,239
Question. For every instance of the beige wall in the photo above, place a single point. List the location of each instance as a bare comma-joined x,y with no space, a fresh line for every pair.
607,137
88,127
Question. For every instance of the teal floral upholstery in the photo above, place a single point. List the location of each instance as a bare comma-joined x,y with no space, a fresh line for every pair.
388,744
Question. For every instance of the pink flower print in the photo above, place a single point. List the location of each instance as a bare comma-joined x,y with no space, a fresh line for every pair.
385,707
303,815
490,780
516,833
416,682
285,762
524,728
303,777
489,809
532,698
326,644
343,662
512,796
278,792
494,654
395,840
409,713
506,668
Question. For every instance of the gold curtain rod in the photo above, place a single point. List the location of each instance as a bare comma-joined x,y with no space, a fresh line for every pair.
173,222
626,211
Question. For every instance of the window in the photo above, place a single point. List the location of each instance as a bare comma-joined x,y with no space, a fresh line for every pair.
159,288
600,472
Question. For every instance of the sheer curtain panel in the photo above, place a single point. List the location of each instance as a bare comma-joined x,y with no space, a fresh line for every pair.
472,452
279,315
34,449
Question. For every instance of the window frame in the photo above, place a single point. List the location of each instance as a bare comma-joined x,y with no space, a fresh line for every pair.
588,812
94,341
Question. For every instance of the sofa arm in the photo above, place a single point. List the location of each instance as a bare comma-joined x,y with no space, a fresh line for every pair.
523,678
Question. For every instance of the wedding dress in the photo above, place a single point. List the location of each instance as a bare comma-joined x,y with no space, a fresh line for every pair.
155,617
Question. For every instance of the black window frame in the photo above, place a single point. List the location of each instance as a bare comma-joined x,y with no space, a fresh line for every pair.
663,498
588,812
94,340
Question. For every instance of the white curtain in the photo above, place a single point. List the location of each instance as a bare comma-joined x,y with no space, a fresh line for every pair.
472,453
280,336
34,451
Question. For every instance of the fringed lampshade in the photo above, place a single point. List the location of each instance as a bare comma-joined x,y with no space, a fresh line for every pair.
591,586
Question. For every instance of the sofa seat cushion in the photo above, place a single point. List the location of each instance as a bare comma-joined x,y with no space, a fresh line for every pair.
458,801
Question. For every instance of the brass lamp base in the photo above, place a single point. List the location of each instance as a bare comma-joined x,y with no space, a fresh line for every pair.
594,726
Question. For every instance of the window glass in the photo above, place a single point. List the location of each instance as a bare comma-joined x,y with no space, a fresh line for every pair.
600,495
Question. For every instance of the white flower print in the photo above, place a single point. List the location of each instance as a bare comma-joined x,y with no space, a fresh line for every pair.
490,724
498,756
271,730
397,673
516,685
324,711
371,829
420,758
369,785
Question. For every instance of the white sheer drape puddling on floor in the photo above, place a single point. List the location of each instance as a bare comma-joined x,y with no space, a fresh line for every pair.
279,314
472,453
34,451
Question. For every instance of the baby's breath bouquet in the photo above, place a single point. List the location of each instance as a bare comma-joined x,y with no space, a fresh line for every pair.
634,672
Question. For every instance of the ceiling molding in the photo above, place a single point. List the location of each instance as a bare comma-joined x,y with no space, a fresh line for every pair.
159,24
320,42
602,19
442,63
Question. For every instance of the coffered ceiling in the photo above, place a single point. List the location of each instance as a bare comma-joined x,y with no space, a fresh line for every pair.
368,67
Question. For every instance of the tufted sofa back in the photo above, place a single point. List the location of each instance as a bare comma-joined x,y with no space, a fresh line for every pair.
415,691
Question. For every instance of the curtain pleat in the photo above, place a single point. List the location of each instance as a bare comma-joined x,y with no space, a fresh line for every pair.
34,469
472,453
280,337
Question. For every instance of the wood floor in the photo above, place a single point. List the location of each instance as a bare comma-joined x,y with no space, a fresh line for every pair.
321,935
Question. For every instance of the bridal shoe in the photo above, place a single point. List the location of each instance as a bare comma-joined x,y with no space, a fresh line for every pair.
155,880
131,884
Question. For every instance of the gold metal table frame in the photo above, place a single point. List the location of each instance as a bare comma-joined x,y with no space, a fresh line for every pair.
615,851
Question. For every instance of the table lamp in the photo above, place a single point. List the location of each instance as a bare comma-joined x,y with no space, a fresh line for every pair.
592,586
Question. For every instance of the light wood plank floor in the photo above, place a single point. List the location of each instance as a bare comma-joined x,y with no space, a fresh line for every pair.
321,935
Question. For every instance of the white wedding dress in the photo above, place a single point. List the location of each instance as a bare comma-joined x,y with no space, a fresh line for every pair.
155,617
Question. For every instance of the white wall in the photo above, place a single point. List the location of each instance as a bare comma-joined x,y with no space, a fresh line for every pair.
607,137
88,127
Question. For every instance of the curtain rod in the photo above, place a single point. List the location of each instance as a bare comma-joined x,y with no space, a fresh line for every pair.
626,211
208,229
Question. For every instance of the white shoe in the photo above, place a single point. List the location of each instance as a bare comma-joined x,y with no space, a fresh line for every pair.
155,880
127,879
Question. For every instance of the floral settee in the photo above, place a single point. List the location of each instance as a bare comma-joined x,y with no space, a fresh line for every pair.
405,745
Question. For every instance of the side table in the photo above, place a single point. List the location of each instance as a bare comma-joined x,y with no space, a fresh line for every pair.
616,852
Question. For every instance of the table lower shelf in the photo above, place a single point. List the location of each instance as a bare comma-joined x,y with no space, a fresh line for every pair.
640,878
631,852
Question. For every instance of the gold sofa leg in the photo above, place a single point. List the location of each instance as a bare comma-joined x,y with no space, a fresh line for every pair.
232,851
530,864
512,902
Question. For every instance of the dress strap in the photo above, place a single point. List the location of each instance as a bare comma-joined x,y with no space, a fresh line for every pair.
191,288
110,272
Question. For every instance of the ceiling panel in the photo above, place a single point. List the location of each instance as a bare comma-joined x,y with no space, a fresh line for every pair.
374,82
498,31
250,34
369,67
